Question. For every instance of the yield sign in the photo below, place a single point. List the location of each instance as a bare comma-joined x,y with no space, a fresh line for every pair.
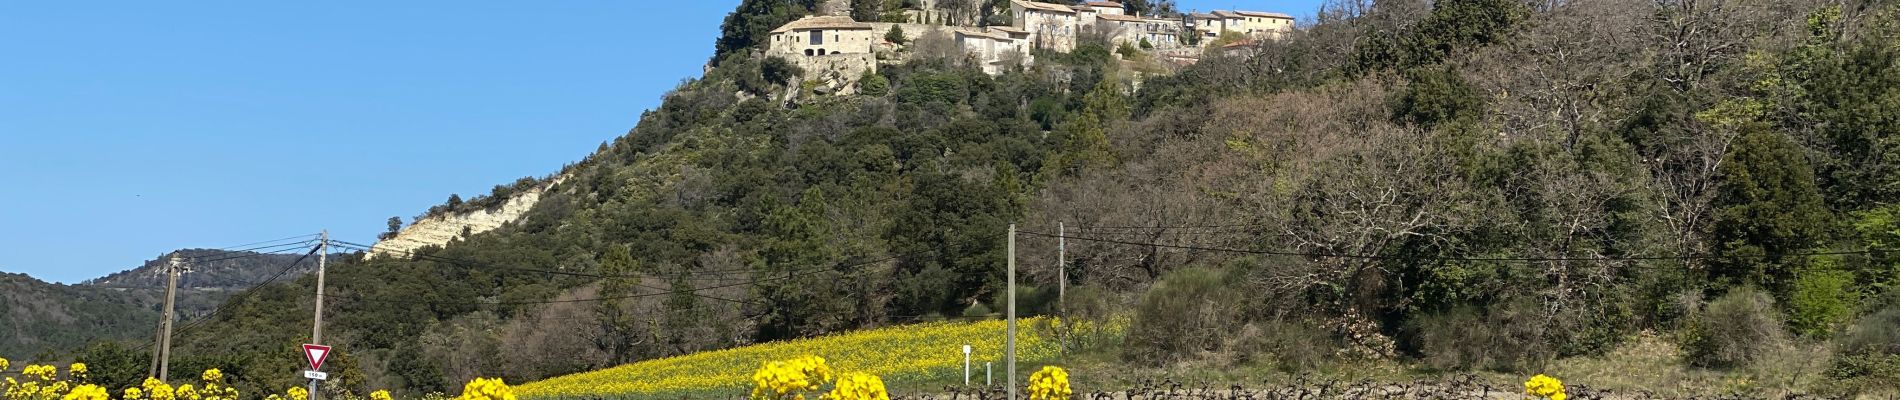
315,353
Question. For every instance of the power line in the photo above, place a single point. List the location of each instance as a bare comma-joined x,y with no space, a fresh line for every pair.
240,297
1436,258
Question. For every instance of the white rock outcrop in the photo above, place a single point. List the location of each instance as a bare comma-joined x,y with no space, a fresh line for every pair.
439,230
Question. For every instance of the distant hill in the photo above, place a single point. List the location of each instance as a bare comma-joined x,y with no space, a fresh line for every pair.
38,316
210,269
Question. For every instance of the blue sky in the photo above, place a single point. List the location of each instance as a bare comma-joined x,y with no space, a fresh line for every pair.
128,129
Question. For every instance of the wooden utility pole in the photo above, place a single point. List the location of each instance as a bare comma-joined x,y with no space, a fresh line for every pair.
164,352
1010,342
1062,269
316,328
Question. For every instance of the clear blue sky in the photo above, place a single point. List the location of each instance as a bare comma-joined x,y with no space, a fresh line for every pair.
129,129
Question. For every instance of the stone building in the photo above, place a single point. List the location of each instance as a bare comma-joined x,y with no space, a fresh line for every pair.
995,50
1160,33
1051,26
1253,24
833,50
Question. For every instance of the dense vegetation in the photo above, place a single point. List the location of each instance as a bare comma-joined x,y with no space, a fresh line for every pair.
1462,184
40,320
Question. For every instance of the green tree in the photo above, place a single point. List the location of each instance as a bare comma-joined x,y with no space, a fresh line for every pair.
896,35
1766,206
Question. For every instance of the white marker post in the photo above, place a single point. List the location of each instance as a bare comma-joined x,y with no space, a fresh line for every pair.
966,365
989,379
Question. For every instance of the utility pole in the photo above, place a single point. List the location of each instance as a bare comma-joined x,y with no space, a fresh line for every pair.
316,329
1062,269
1010,342
162,354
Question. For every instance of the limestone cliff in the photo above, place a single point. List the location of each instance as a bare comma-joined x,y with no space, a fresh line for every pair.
440,229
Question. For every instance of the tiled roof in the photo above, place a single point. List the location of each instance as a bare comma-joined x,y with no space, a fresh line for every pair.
826,22
1010,29
1119,17
1030,5
1105,4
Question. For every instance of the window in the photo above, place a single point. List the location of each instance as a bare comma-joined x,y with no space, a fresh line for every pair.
817,37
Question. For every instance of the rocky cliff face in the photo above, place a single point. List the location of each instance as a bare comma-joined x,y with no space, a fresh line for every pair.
438,230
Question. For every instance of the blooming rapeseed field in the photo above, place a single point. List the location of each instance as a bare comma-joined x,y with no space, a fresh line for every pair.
910,354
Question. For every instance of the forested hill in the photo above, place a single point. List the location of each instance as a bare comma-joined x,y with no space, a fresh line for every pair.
39,318
1455,185
212,269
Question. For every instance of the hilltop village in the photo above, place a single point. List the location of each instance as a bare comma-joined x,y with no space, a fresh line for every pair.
833,47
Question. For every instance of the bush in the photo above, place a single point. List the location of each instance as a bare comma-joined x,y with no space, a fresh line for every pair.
1870,353
1821,301
896,35
1188,313
1734,330
1291,346
1509,338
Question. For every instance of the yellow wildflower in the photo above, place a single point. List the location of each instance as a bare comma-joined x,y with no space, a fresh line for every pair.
1545,387
297,393
87,392
213,376
1051,383
4,364
77,371
790,378
487,389
157,389
858,386
134,394
379,395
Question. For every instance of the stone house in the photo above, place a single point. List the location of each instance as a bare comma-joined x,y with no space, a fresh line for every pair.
1161,33
1051,26
995,50
1106,7
1253,24
833,50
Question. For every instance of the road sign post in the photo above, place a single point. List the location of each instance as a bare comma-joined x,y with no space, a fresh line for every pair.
315,354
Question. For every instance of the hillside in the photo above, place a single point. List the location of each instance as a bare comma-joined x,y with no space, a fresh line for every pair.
1429,187
210,269
38,317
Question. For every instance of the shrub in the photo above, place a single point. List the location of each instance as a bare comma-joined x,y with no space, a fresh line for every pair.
1187,313
1509,338
1870,353
895,35
1821,301
1734,330
1290,346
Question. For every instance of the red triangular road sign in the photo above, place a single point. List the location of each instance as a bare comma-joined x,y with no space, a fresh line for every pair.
315,354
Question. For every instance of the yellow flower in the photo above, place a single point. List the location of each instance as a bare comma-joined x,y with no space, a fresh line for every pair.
87,392
213,376
297,393
134,394
1051,383
4,364
487,389
158,390
77,370
379,395
858,386
1546,387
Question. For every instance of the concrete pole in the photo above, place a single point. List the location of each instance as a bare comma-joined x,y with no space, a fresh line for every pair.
1062,269
1010,342
165,338
316,328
